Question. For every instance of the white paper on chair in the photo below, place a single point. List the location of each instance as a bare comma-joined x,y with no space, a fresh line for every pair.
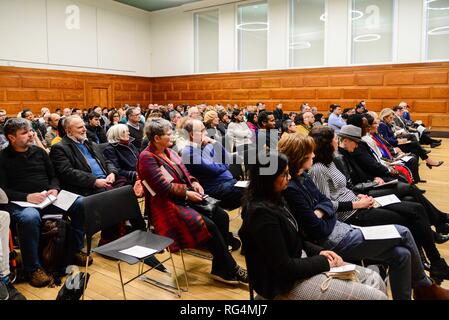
406,158
138,251
387,231
386,200
65,199
242,184
344,268
48,201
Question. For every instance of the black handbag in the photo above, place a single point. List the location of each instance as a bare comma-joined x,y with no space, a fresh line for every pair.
207,207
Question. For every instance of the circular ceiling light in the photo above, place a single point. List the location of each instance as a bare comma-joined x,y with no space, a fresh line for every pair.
428,2
299,45
253,26
356,14
439,31
367,37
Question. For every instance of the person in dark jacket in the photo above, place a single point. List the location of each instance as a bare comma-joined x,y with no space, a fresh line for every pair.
122,153
361,181
95,132
80,166
281,264
316,215
27,174
387,119
206,159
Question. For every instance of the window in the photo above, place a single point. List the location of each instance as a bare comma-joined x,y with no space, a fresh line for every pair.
307,23
206,41
372,31
437,32
252,28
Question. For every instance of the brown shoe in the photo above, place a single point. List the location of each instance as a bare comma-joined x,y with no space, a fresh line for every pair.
38,278
434,292
80,259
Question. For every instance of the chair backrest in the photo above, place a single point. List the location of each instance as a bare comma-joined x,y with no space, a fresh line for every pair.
106,209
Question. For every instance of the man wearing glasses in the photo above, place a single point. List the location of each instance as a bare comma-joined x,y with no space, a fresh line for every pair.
134,126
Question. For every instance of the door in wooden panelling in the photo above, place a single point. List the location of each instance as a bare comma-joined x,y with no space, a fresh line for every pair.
99,94
100,97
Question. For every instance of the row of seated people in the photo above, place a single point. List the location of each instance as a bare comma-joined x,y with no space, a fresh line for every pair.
28,173
65,158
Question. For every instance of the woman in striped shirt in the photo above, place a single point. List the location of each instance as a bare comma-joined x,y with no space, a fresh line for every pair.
332,183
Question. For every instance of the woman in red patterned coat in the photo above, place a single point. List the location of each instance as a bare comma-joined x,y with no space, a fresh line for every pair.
169,186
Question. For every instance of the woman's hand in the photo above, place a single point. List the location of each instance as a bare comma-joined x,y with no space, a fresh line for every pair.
334,259
364,202
379,181
197,187
194,196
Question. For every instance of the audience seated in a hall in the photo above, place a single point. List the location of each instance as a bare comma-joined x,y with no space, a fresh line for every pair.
335,120
304,122
172,186
288,127
358,209
372,164
207,161
214,130
82,168
27,174
267,135
282,265
385,153
52,130
7,289
239,135
386,131
317,216
95,132
135,126
351,167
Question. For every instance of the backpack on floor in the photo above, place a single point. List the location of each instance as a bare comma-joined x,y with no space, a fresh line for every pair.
57,242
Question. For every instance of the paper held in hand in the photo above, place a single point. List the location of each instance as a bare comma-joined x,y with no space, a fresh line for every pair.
387,231
385,200
64,201
138,251
242,184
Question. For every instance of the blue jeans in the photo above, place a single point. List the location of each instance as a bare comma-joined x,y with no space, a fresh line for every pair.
28,222
401,255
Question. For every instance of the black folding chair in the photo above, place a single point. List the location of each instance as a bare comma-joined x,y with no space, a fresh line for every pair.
106,209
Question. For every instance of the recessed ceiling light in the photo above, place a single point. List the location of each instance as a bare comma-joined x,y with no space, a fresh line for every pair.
439,31
299,45
434,8
253,26
356,14
367,37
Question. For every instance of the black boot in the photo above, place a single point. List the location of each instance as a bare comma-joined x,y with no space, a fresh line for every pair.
440,238
439,271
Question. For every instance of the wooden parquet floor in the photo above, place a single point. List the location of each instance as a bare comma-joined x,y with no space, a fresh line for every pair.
104,283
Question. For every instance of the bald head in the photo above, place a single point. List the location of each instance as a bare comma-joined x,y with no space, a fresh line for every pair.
53,120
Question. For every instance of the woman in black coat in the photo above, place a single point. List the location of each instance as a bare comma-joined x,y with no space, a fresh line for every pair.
281,265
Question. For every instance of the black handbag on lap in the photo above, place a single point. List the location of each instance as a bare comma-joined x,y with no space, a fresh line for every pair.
206,207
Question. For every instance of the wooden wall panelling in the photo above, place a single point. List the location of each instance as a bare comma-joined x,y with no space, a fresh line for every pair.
425,87
36,88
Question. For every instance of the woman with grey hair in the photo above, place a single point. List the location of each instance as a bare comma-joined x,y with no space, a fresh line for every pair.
122,153
171,191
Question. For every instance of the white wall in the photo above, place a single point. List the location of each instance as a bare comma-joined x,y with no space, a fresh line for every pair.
111,38
173,28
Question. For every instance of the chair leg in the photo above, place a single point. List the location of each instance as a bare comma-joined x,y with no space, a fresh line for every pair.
85,278
185,271
176,275
121,279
